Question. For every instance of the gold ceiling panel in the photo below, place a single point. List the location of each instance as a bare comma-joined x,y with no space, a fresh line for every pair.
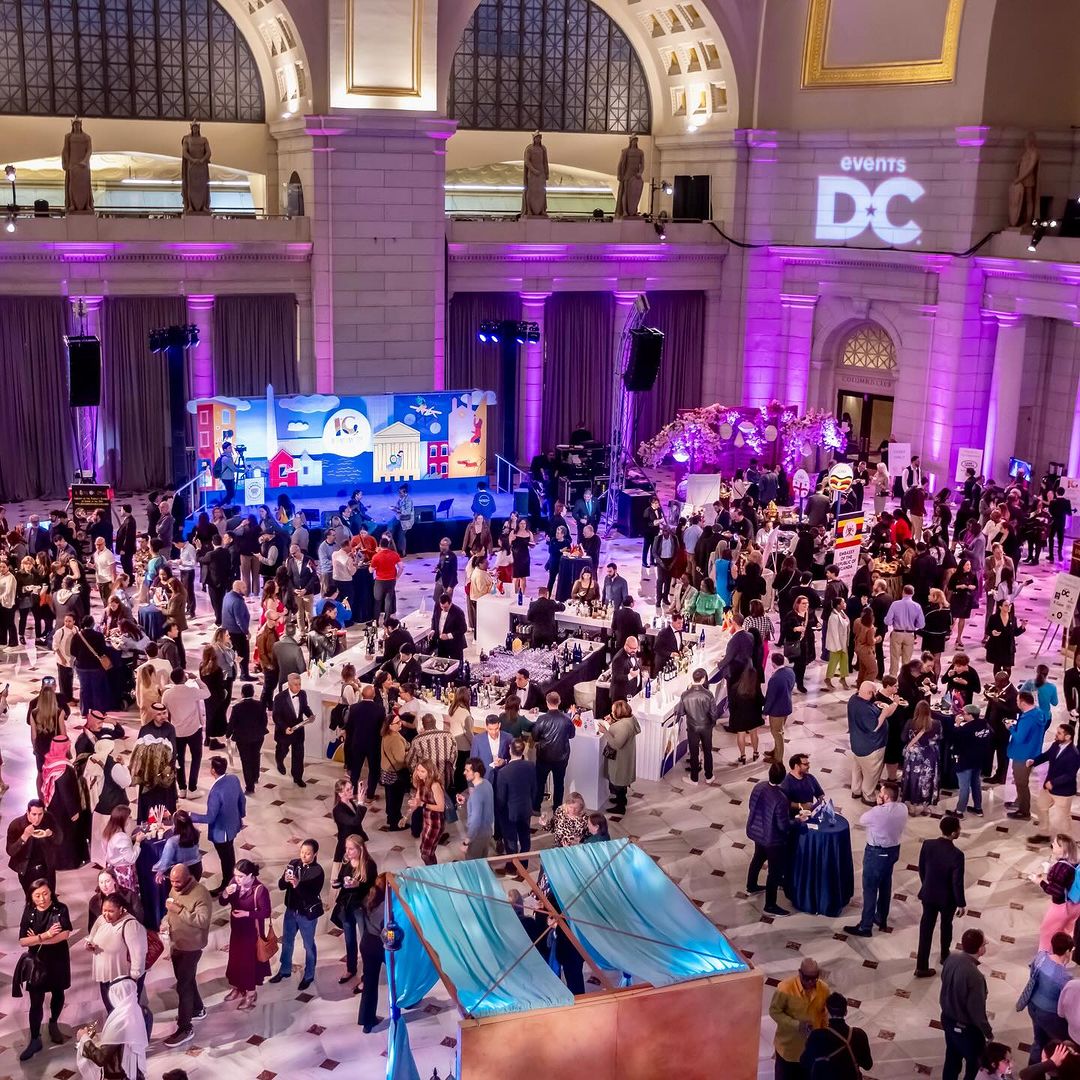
816,72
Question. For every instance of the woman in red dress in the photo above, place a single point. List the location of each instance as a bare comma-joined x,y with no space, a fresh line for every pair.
250,903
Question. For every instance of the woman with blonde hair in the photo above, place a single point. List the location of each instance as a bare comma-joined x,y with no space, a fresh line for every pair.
461,724
1057,882
47,719
147,691
935,632
353,882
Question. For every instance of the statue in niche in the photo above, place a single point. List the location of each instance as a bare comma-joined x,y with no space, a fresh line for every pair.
1024,190
195,171
75,161
534,198
631,179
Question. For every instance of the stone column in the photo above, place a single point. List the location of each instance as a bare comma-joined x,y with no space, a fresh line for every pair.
200,312
1004,409
794,387
715,350
531,380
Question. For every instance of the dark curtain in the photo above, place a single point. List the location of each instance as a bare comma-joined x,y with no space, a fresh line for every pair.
681,317
472,364
36,435
134,416
255,344
578,364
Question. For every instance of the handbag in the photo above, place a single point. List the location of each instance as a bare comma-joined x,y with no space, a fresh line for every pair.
609,752
266,947
30,972
388,777
104,661
335,751
154,947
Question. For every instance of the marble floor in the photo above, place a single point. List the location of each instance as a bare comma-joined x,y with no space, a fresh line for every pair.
697,833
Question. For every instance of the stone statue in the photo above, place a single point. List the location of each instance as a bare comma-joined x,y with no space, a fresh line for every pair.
195,172
1024,190
534,198
75,161
631,180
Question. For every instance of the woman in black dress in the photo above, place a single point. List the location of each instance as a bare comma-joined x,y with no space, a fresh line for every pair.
750,585
519,553
784,585
218,702
650,529
556,546
935,633
1002,630
798,640
348,816
44,931
962,601
744,693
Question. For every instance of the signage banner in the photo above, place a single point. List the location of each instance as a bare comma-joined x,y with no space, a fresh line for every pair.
1063,602
968,458
320,441
899,457
848,544
86,499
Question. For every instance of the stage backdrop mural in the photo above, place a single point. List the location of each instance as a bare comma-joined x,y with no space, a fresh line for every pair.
325,441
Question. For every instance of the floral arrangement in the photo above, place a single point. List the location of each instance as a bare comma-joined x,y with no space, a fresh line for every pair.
704,436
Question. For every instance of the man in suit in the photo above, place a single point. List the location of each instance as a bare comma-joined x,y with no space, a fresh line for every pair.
925,573
941,871
541,616
125,539
303,580
669,641
404,668
291,709
448,628
526,691
396,637
225,810
586,512
625,671
515,796
363,736
288,655
626,622
492,748
218,562
551,734
247,728
616,591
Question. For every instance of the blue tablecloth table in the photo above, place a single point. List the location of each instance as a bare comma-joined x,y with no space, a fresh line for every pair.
821,876
570,568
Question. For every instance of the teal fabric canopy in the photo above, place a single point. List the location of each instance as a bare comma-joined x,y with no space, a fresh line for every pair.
482,947
628,912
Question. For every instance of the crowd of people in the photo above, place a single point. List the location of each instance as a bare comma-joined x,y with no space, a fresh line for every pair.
114,606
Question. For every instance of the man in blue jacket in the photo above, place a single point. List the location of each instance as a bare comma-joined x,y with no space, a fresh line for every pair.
225,808
493,747
768,821
778,706
1025,744
236,620
515,794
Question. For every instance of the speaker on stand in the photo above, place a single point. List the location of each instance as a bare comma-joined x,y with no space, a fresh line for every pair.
692,199
643,364
84,395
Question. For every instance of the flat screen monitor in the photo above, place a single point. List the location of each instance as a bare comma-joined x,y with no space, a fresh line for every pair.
1019,469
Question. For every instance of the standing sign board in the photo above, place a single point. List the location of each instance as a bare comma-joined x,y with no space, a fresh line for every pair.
1063,602
87,499
254,490
848,544
967,458
899,457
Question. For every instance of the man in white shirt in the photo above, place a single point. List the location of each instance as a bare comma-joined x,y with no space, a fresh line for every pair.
104,568
885,825
189,562
65,666
161,667
182,698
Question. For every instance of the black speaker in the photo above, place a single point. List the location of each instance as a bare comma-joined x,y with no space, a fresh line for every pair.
632,507
646,349
692,199
84,371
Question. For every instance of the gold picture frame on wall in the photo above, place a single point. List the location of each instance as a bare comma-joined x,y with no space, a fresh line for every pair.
351,85
817,73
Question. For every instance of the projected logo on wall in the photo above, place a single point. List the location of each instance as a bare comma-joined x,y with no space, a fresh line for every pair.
321,440
847,206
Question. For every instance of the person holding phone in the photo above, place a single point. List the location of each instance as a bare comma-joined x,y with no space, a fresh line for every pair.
302,881
45,929
354,881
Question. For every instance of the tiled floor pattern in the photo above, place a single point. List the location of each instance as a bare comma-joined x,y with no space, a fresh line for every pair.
696,833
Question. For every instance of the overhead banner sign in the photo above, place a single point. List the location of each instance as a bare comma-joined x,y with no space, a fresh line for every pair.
968,458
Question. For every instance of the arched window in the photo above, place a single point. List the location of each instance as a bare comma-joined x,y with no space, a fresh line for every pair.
869,347
126,59
552,65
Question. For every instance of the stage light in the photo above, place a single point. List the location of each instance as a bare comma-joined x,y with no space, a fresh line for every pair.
9,172
661,231
666,187
482,335
495,336
10,226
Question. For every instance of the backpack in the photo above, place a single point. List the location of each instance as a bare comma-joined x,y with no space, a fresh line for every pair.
823,1069
216,470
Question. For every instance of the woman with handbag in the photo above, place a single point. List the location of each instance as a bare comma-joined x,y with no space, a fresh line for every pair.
118,944
372,953
619,732
252,941
46,967
353,882
798,641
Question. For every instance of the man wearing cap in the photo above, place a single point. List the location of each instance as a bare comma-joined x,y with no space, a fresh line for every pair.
1059,789
971,744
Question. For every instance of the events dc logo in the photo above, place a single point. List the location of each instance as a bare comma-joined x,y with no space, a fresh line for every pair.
847,206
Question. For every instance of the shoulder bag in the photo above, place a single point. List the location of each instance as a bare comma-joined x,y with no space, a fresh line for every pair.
104,661
266,947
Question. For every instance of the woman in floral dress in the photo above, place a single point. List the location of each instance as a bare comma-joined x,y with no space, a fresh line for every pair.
922,755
